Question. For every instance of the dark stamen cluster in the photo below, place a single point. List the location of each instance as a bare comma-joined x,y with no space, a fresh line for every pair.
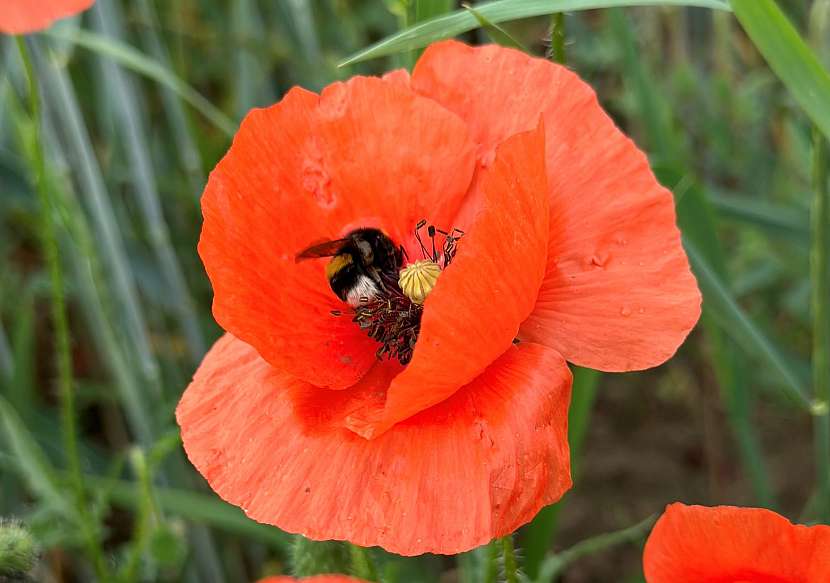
450,242
393,320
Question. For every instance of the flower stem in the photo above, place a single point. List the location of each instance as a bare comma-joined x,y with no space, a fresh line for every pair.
144,517
362,566
557,38
491,574
508,555
60,319
820,278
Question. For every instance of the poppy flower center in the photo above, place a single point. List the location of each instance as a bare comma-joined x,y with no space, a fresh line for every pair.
417,279
391,315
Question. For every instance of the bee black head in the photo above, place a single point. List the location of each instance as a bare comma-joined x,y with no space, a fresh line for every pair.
375,248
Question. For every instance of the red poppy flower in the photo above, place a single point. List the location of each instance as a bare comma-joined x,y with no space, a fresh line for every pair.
25,16
315,579
696,544
569,251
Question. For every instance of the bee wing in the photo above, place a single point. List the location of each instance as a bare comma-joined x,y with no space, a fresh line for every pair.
324,249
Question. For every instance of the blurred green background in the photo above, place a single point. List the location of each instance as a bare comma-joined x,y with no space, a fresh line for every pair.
140,100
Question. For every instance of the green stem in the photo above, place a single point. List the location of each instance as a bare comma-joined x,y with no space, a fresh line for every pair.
820,277
60,319
557,38
508,555
555,565
492,569
144,518
362,566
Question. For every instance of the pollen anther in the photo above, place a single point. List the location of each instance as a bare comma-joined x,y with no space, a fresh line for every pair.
417,279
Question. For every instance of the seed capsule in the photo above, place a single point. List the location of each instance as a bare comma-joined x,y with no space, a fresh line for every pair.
417,279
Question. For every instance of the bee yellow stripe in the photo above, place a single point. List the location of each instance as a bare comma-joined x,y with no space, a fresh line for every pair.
337,263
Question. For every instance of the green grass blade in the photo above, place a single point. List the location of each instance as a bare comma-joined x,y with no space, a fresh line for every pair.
186,146
303,18
128,57
743,330
820,278
81,255
60,95
32,462
6,361
697,221
21,382
556,564
192,506
496,33
246,24
789,56
776,220
499,11
131,126
59,314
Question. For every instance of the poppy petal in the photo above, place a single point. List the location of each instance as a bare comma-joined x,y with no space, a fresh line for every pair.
310,169
474,312
25,16
451,478
397,76
618,294
694,544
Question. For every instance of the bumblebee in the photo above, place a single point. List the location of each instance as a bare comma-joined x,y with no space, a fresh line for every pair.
364,264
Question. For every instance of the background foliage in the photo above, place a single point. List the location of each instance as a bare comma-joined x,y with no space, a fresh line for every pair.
140,100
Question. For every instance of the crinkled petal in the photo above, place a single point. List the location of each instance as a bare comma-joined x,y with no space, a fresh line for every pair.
25,16
367,153
474,312
696,544
474,467
618,293
398,76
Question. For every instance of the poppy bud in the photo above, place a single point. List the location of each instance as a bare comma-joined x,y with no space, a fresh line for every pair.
18,549
417,279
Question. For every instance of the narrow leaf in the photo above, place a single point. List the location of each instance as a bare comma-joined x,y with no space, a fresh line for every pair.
128,57
789,56
461,21
32,462
496,33
743,330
